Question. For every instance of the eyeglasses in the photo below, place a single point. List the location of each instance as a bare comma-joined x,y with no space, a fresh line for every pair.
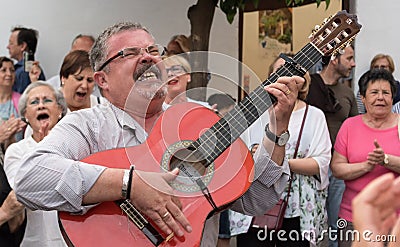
154,50
176,70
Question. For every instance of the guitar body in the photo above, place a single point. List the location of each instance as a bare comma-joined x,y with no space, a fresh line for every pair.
227,179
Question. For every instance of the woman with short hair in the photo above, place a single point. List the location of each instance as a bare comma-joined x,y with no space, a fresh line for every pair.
42,106
367,146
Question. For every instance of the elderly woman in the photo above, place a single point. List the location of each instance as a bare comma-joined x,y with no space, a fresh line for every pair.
367,145
10,124
77,81
42,106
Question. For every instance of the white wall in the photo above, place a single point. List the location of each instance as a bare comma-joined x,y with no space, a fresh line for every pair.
58,22
379,33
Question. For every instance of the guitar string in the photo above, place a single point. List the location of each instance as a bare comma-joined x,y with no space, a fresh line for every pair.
128,222
134,213
130,213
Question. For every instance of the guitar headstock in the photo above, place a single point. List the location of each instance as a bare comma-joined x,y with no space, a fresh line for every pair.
336,33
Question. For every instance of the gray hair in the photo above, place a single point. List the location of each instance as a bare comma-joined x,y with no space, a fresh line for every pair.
99,51
22,104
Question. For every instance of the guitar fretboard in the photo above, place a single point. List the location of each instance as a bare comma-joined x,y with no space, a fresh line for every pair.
222,134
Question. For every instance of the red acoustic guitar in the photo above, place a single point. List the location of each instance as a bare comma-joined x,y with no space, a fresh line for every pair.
216,168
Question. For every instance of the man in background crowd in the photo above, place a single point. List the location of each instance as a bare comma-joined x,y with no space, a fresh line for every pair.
23,40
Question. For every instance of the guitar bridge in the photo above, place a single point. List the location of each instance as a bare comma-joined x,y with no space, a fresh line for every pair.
140,221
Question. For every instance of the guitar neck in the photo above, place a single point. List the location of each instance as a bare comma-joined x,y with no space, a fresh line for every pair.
222,134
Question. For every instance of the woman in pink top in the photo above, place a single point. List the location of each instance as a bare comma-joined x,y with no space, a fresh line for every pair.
367,145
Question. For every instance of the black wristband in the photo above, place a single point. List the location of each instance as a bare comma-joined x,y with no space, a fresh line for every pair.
128,189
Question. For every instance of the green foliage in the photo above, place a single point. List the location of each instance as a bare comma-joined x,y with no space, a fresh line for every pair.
286,38
299,2
230,7
274,24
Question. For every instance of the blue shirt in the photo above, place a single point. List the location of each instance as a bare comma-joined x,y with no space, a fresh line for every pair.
22,79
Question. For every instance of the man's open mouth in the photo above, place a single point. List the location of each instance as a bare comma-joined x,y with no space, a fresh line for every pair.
148,73
148,76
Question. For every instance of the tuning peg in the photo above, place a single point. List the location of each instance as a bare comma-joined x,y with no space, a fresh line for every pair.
314,31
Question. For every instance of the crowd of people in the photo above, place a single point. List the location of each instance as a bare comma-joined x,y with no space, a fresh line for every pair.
110,93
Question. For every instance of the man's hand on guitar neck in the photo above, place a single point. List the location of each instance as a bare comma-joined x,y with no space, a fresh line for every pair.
285,91
153,196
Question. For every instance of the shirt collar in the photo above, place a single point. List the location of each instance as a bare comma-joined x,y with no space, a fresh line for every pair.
20,63
127,122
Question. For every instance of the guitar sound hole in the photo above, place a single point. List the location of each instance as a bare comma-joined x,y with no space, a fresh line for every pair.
190,164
